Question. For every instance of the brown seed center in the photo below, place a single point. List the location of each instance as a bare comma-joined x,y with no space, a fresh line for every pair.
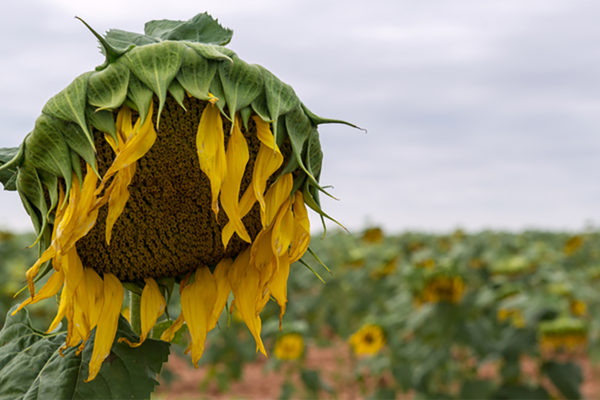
167,227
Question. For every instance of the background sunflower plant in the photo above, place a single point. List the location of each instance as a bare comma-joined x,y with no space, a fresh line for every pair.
174,162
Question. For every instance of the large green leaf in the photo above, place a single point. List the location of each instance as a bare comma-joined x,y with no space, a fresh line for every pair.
202,28
156,65
31,366
280,97
107,89
567,378
122,41
69,104
140,96
30,189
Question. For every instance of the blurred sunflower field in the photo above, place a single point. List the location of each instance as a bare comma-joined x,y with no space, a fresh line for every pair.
490,315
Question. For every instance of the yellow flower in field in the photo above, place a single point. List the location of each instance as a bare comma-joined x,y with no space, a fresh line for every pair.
373,235
573,244
578,308
386,269
442,288
289,347
563,333
514,315
173,161
368,340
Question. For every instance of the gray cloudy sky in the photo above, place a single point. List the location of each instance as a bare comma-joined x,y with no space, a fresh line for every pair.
479,113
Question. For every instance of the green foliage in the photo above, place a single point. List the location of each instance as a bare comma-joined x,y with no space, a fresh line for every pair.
32,366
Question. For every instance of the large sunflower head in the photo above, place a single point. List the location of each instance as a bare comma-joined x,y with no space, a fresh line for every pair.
174,161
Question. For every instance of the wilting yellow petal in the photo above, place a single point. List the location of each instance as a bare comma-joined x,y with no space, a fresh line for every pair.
107,323
94,290
119,194
123,124
277,194
245,284
136,146
35,269
223,290
262,258
268,160
210,144
52,286
301,237
283,230
151,307
170,332
278,285
197,304
237,157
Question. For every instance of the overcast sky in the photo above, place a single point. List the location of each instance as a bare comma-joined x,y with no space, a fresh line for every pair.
480,114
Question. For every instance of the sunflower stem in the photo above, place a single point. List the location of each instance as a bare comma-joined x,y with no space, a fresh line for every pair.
134,312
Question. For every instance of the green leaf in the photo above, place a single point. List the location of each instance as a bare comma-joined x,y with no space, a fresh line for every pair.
47,149
299,128
69,104
8,175
196,74
107,89
242,83
123,41
104,121
30,189
31,366
211,52
314,154
567,378
50,182
280,97
202,28
178,93
156,65
141,96
476,389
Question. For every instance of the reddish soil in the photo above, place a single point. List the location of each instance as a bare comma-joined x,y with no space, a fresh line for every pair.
337,370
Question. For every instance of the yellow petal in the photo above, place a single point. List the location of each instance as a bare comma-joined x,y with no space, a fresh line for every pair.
237,157
197,304
136,146
275,198
170,332
94,292
301,236
119,194
268,160
151,307
52,286
278,285
210,144
223,290
107,323
244,280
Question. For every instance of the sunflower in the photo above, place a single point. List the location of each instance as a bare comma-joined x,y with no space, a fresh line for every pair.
289,346
563,334
174,161
368,340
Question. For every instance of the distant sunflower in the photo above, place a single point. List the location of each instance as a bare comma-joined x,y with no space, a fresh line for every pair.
289,346
368,340
174,161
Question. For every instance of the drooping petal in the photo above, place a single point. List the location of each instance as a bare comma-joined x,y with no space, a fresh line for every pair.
119,195
151,307
107,323
237,157
210,144
52,286
277,194
170,332
223,290
268,160
94,291
197,304
278,285
136,146
245,284
301,236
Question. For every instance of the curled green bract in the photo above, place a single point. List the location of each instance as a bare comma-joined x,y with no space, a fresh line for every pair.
170,58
